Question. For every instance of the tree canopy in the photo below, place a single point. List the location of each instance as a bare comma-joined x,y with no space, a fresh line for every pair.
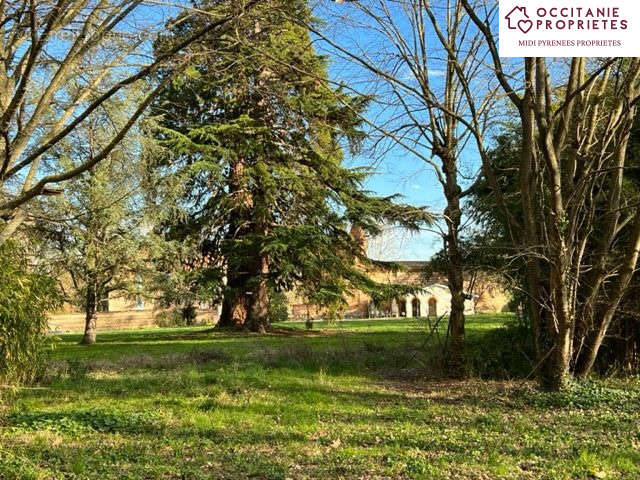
259,135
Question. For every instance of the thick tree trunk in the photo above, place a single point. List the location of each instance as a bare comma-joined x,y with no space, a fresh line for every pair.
259,320
91,317
235,305
456,322
236,302
558,331
529,234
554,368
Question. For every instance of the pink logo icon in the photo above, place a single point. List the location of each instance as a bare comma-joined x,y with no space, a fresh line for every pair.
518,19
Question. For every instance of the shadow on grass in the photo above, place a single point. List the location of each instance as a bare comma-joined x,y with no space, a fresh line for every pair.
393,354
389,355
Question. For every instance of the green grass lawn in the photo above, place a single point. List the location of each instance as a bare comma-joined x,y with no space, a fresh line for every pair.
360,399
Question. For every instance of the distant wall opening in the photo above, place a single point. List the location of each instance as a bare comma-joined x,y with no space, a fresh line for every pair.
402,307
415,307
433,307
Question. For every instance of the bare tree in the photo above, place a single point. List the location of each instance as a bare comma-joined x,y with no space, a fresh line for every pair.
426,60
576,123
60,61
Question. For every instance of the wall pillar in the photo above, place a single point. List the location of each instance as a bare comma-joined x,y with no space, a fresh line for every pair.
395,311
409,307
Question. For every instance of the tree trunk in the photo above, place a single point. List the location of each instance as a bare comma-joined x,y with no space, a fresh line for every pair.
91,317
235,305
456,322
529,234
455,275
10,227
558,322
554,368
236,302
585,362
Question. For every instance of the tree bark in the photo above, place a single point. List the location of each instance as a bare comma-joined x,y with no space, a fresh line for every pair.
259,320
235,305
554,369
236,302
586,360
455,276
91,317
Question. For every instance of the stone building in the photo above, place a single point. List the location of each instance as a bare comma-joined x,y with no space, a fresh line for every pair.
432,297
434,300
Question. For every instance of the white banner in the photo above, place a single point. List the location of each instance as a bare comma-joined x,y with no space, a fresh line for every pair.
569,28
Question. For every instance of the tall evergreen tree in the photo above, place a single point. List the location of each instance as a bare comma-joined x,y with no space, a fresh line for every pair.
258,135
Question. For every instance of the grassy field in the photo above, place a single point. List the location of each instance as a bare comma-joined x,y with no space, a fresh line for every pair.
359,399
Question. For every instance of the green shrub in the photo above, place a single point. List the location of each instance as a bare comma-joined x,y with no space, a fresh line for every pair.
503,353
189,314
334,313
169,319
25,297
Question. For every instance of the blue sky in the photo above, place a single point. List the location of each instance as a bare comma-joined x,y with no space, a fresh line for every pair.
397,171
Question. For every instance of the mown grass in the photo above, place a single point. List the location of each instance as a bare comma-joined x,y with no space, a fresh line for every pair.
360,399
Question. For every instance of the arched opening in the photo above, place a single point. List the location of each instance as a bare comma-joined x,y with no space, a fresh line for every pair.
415,307
402,307
433,307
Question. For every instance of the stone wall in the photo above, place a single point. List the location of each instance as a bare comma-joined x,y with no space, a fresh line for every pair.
74,322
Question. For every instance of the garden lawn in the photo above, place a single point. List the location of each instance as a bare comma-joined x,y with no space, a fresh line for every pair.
360,399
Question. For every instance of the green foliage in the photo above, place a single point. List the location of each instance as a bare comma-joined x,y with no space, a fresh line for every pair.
170,318
25,297
83,421
180,277
334,313
502,353
278,311
587,395
19,467
93,235
258,136
493,245
185,316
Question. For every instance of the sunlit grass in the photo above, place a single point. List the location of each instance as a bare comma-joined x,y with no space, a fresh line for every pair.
350,400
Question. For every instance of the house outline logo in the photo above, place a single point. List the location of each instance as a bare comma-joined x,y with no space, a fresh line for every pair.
514,23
